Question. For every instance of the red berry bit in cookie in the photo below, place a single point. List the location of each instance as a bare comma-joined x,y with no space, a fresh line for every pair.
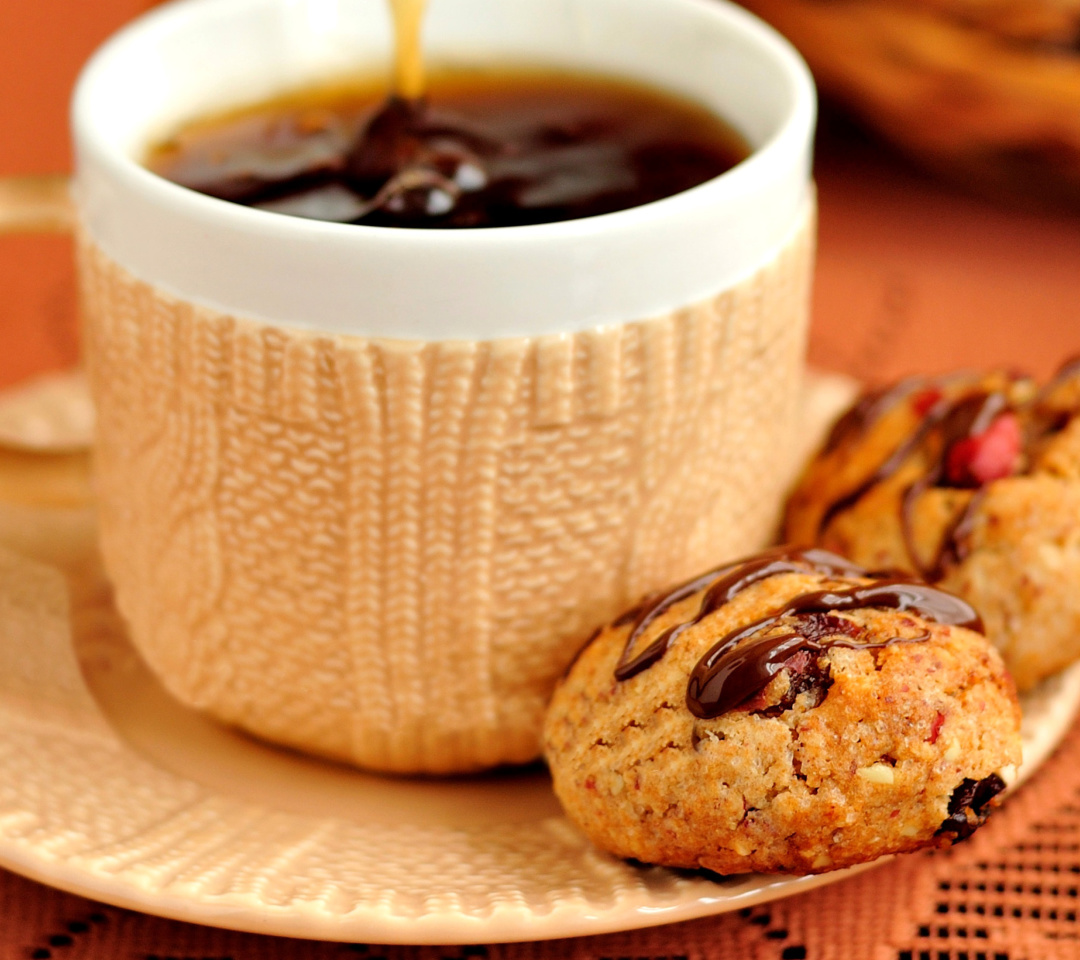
991,455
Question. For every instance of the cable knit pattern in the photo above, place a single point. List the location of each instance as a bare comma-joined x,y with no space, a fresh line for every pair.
386,551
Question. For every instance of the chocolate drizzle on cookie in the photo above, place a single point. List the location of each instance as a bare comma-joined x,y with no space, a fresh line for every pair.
966,440
948,424
959,423
1057,402
869,408
743,662
724,583
1069,370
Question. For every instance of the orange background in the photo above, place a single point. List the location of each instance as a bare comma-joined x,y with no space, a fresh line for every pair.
42,45
911,275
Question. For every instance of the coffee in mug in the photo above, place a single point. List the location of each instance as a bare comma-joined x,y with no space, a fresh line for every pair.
496,148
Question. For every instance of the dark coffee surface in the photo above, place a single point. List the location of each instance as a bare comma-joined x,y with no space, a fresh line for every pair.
494,149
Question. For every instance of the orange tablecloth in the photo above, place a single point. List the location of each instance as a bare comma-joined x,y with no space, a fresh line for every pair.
912,276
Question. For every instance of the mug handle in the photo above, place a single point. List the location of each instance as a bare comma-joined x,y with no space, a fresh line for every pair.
36,204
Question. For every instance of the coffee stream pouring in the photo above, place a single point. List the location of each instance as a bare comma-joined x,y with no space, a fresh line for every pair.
409,81
414,163
393,146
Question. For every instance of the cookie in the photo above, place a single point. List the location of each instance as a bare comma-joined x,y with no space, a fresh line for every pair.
971,482
788,713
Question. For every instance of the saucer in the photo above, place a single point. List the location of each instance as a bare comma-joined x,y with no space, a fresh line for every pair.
49,414
111,790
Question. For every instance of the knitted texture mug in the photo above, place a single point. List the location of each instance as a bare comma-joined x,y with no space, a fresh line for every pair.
387,551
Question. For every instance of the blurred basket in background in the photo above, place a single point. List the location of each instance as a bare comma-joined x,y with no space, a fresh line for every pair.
984,91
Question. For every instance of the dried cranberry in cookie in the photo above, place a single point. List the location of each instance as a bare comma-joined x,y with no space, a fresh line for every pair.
972,482
788,713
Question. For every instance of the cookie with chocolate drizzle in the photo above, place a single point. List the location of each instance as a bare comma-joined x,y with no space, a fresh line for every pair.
970,482
790,712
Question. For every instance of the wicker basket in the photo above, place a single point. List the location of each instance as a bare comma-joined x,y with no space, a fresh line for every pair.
987,91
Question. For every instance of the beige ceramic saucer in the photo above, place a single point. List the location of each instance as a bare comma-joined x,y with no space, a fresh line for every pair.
111,790
52,413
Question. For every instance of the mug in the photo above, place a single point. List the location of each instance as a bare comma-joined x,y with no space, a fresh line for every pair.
364,492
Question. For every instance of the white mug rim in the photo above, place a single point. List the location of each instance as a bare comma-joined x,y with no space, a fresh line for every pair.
786,137
788,141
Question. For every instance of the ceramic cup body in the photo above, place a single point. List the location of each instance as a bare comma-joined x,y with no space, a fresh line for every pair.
365,491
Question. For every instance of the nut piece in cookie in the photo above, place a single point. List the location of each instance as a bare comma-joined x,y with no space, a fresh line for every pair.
789,713
973,483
